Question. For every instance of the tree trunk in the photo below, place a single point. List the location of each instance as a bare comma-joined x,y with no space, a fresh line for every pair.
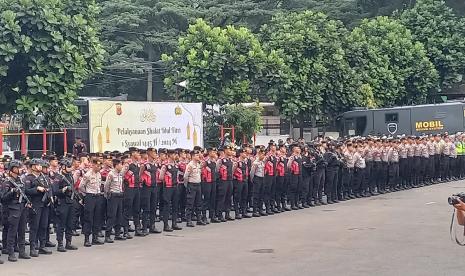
301,126
149,83
314,128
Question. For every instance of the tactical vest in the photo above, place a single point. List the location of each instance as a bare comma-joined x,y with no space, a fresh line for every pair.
171,173
225,170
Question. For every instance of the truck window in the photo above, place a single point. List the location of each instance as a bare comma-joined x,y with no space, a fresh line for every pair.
391,117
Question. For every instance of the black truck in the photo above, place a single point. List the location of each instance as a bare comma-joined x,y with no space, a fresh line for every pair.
408,120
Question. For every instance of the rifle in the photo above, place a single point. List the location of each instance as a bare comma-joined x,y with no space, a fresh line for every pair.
48,196
22,195
74,193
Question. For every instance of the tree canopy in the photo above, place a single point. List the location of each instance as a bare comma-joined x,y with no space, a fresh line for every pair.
47,51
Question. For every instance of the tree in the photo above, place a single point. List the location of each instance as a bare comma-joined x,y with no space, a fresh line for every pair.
442,33
47,50
394,70
247,120
318,77
220,65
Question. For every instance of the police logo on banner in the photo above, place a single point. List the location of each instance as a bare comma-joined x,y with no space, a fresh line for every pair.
392,128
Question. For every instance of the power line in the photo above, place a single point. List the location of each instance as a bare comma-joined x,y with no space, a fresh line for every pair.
110,82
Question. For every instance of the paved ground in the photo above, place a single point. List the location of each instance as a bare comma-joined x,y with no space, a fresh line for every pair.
404,233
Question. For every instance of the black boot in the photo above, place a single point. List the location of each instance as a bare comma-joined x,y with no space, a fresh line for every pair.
87,241
200,220
228,216
176,226
120,237
60,247
50,244
11,258
23,255
69,246
95,240
139,233
167,228
33,252
44,251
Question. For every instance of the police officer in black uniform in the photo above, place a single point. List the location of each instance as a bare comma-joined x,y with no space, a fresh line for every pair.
332,173
16,206
63,188
39,191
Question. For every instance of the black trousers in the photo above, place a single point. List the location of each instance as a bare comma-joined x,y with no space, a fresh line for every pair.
92,215
359,175
223,195
258,187
145,205
159,202
240,192
78,217
307,189
170,204
114,214
208,198
268,182
15,223
295,183
281,191
38,226
366,184
347,174
430,171
250,193
65,218
331,183
273,190
444,167
376,174
460,165
153,201
437,166
182,194
452,167
384,175
319,184
393,175
131,207
103,210
193,200
403,171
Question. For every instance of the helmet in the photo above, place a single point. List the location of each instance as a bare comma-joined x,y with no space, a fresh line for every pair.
44,163
66,162
35,161
14,163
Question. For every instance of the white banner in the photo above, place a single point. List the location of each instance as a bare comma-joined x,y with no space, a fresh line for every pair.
120,125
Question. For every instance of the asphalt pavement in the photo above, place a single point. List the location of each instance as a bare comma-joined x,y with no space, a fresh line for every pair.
402,233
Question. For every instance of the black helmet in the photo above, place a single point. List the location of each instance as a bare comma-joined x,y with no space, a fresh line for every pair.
44,163
14,163
66,162
35,161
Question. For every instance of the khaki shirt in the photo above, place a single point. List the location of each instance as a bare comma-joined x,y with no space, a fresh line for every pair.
193,172
114,182
90,183
393,155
